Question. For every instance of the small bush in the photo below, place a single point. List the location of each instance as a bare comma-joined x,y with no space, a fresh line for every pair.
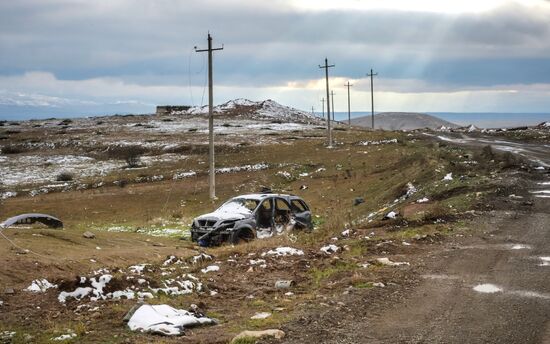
13,149
130,154
64,177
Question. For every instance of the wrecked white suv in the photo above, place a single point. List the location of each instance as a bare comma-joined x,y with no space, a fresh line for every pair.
246,217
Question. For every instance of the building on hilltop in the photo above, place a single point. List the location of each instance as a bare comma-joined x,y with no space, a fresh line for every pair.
169,109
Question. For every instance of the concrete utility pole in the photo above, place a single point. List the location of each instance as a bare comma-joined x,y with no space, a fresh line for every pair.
312,111
329,133
348,85
372,96
323,106
332,100
211,164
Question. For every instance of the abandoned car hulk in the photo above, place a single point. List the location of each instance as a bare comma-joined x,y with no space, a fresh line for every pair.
246,217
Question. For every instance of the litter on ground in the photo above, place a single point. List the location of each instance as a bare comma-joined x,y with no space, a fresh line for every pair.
165,320
283,251
387,261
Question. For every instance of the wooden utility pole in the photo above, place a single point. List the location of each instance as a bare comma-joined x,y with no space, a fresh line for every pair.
323,106
372,96
211,164
348,85
332,100
329,133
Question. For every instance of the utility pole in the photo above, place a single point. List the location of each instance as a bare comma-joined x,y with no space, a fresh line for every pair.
329,133
323,107
332,100
212,167
312,111
372,96
348,85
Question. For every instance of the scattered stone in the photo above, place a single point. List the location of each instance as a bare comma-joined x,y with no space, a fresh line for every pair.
358,200
284,284
88,235
277,334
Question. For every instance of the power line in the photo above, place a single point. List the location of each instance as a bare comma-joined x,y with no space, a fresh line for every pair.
329,133
332,99
372,96
212,171
348,85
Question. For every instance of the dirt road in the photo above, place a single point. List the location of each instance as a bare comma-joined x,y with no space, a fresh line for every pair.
537,153
490,285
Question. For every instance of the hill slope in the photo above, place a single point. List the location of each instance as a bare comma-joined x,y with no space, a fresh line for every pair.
266,109
402,121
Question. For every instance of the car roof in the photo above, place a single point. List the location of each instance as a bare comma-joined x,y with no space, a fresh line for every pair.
262,196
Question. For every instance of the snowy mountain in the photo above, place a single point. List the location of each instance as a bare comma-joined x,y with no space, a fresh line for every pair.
266,109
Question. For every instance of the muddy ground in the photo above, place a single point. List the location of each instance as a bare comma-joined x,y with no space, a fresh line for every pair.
467,216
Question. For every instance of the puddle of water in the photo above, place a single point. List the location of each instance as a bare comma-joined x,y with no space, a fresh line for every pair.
439,277
542,196
540,192
545,261
530,294
520,247
487,288
544,183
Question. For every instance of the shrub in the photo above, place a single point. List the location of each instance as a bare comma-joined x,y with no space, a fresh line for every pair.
64,177
131,154
13,149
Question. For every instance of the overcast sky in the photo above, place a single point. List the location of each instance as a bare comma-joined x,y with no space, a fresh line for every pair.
97,56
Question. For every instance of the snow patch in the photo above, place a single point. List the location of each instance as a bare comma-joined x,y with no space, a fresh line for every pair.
487,288
40,286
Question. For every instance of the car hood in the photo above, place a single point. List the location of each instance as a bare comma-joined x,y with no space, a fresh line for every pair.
222,215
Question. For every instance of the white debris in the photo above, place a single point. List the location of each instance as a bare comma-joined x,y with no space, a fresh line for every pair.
487,288
378,284
164,319
391,215
260,262
284,251
171,260
448,176
346,233
40,286
539,168
520,247
78,294
423,200
183,175
545,261
284,174
8,194
375,143
261,315
255,167
67,336
404,243
411,190
387,261
137,269
330,249
210,268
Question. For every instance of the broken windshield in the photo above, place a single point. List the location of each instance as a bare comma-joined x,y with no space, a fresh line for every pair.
239,205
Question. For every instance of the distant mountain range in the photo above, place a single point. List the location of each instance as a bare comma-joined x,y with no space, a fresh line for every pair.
402,121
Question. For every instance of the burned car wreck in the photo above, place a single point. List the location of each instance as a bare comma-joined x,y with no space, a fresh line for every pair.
244,218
